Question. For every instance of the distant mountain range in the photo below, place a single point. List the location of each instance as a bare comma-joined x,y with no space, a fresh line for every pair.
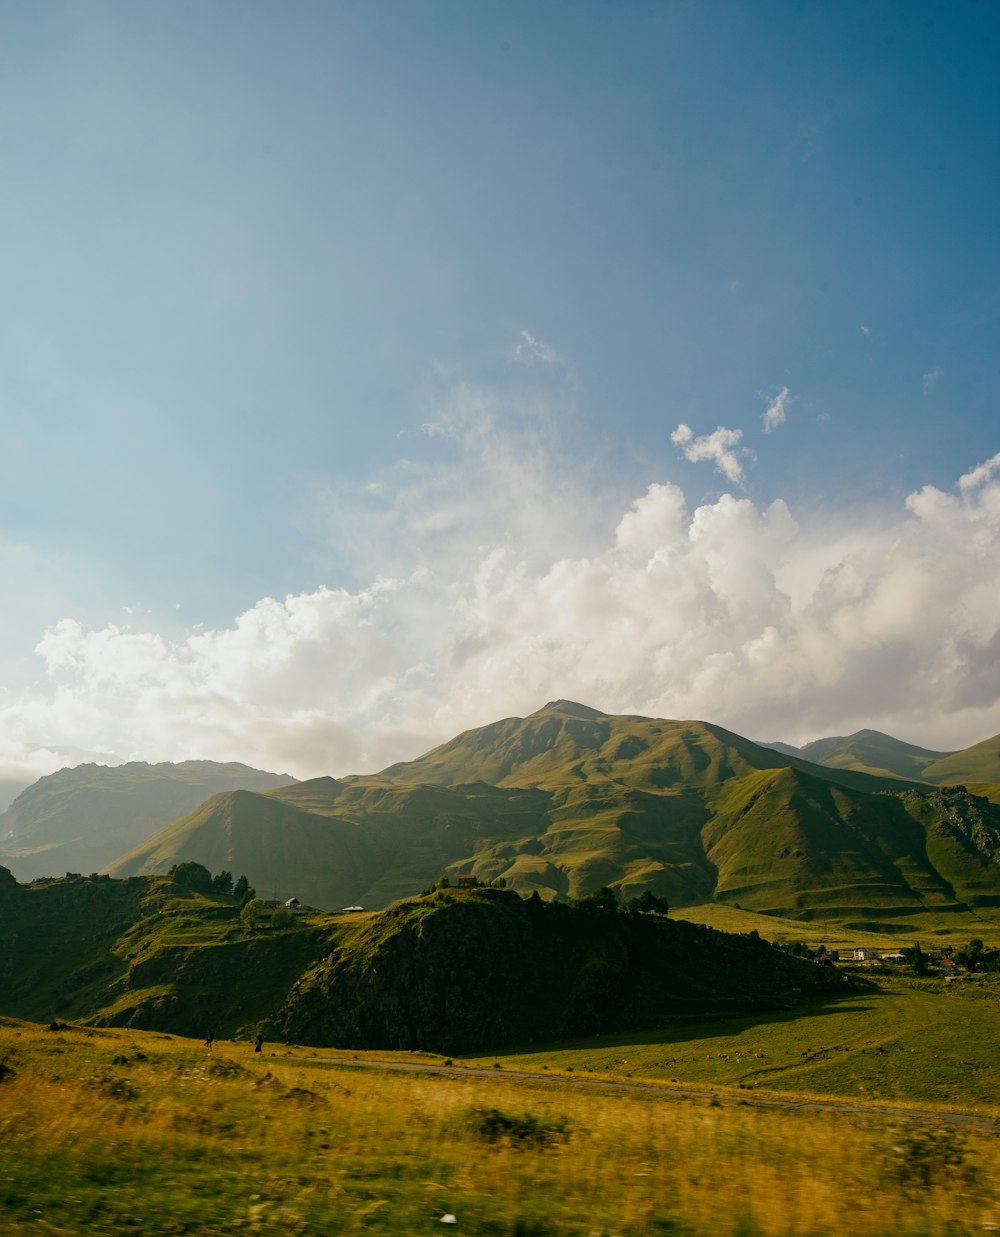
570,799
81,819
870,751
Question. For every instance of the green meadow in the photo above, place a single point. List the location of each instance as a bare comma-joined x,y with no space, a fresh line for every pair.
118,1131
933,929
901,1040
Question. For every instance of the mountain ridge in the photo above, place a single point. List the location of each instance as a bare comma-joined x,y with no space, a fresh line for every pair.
569,799
82,818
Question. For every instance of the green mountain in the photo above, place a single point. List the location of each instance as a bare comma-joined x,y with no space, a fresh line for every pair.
787,749
80,819
796,845
460,970
870,751
978,765
565,744
568,800
336,843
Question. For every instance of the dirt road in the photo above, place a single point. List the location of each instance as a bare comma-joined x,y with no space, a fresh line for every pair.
671,1092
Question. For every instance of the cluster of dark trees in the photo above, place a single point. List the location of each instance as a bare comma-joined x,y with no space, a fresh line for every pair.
196,877
604,899
799,949
646,903
975,956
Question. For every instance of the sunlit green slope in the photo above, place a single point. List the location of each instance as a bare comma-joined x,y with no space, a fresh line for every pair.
565,743
979,764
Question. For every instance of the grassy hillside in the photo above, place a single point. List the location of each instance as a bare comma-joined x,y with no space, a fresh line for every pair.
143,951
335,844
795,845
900,1040
978,764
460,968
477,968
81,819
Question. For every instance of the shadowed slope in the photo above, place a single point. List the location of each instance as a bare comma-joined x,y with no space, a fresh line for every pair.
331,843
83,818
459,969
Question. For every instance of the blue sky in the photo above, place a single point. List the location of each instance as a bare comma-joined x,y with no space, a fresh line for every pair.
324,301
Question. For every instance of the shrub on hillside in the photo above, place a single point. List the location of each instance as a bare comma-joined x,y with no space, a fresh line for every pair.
250,914
922,1156
647,903
282,917
223,883
518,1129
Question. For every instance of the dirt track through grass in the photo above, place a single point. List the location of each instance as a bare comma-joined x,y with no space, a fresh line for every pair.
666,1092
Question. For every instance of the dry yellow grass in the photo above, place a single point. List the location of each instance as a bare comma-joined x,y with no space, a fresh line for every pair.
123,1132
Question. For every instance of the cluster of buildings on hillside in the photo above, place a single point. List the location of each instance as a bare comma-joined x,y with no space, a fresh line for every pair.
867,956
864,954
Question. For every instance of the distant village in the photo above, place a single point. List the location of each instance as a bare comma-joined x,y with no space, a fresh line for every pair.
950,961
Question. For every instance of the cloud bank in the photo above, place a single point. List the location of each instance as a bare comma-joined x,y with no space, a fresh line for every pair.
516,585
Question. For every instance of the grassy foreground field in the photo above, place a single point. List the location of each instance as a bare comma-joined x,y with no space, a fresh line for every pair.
117,1131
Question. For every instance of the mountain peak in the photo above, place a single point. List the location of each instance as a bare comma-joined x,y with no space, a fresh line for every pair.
569,708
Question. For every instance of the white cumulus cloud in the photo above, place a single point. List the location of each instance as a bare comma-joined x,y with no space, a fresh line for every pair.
981,474
499,576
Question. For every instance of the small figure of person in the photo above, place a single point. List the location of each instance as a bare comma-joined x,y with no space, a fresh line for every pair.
258,1044
209,1042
